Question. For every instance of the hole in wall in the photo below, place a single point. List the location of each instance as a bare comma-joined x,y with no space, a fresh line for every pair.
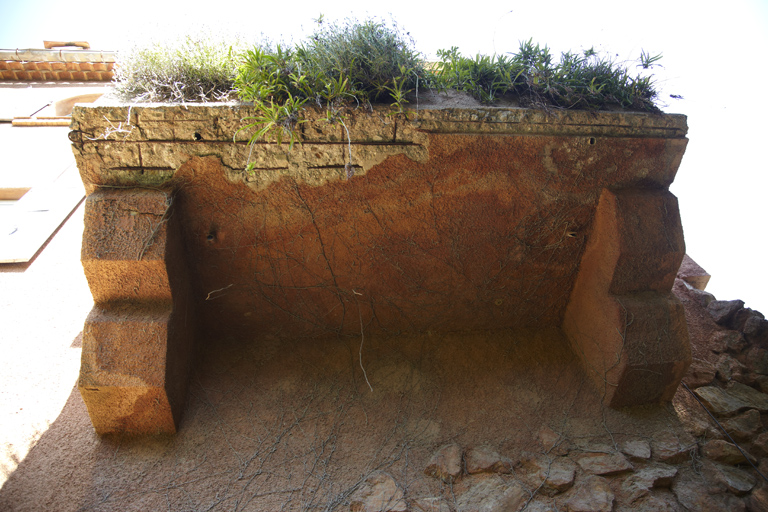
592,141
198,136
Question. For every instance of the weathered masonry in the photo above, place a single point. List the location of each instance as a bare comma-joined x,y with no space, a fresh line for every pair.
454,220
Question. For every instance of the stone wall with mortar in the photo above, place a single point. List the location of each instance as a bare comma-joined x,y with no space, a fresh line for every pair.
451,220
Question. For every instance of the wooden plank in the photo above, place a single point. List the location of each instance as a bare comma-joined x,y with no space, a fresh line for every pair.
26,226
12,193
41,122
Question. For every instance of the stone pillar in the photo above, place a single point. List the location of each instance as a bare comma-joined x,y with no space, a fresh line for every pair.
622,319
137,340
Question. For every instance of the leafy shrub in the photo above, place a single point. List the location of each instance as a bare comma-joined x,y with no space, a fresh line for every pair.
190,69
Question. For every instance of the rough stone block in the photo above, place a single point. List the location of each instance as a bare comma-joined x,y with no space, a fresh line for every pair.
693,274
722,311
134,368
625,325
137,340
124,250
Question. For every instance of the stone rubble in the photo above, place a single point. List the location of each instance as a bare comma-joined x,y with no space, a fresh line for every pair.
492,494
745,426
725,452
728,478
697,469
593,494
552,442
604,463
640,484
379,493
666,447
484,459
636,449
694,494
758,500
445,464
722,311
549,476
733,399
434,504
732,342
700,373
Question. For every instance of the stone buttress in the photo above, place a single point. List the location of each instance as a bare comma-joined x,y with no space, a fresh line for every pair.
137,339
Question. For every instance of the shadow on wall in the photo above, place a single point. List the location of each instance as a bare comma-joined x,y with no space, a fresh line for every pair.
280,422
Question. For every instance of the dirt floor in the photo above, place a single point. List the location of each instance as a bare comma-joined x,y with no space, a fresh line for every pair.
279,424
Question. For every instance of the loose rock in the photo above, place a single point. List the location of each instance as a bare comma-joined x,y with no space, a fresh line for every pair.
759,446
667,448
725,452
700,373
552,442
445,464
756,331
729,369
656,502
758,500
604,463
761,383
722,311
735,480
435,504
636,449
639,484
593,494
756,360
735,398
549,476
492,493
693,494
379,493
540,506
484,459
744,426
742,316
729,341
657,475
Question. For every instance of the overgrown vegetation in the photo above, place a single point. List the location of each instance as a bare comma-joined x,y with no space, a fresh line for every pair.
577,81
349,65
199,68
354,64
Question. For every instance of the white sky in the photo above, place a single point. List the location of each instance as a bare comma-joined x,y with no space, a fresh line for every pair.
714,56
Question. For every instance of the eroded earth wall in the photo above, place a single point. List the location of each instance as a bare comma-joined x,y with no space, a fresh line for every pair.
445,221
